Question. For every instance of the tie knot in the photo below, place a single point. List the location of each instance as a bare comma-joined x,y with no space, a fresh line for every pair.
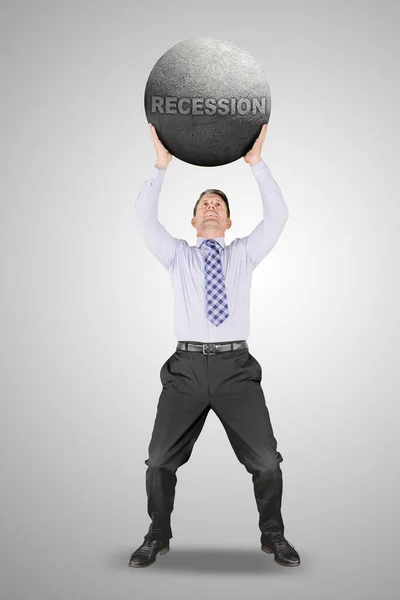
211,243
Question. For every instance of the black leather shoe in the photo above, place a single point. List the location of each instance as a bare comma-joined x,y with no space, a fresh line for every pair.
285,554
146,554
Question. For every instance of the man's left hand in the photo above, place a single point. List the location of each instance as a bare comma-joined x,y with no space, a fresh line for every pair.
254,155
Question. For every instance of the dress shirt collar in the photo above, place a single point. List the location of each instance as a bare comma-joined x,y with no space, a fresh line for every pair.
220,240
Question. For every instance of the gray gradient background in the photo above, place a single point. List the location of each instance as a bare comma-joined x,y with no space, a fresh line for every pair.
83,302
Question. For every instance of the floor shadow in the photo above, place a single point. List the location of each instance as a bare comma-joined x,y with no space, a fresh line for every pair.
215,560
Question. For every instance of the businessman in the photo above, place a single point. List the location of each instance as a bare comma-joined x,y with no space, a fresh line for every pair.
212,367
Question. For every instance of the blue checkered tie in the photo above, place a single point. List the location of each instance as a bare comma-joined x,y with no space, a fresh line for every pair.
216,300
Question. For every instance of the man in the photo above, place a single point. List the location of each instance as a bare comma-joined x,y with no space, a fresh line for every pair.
212,367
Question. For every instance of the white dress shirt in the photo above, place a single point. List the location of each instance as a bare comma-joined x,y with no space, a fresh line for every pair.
185,263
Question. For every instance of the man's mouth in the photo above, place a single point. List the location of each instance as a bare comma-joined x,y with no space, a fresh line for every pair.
211,214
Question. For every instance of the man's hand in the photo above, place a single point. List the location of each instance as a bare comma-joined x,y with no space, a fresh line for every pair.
254,155
163,156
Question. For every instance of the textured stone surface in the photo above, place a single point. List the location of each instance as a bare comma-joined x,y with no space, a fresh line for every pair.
206,68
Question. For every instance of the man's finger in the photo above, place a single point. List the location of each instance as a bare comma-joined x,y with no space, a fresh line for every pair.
261,136
154,135
152,130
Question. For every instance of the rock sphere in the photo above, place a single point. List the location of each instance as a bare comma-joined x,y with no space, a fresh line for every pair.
207,99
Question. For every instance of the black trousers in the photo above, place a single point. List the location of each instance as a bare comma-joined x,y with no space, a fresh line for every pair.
229,383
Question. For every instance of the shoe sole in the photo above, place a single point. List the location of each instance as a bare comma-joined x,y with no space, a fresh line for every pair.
269,551
163,551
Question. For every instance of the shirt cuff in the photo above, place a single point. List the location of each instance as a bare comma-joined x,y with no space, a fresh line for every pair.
260,168
156,172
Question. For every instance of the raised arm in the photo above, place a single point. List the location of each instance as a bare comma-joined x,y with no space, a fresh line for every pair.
158,240
275,212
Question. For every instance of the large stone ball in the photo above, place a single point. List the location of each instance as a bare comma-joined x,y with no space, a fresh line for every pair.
207,99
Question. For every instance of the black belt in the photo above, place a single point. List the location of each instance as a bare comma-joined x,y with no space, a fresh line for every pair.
211,348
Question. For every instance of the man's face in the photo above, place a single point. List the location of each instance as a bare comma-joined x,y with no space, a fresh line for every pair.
211,218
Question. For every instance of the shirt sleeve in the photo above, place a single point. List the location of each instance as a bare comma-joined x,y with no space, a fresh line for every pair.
275,214
158,240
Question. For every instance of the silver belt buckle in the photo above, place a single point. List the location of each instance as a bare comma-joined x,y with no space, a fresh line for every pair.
207,346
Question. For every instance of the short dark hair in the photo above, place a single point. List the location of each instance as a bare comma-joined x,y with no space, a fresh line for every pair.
213,191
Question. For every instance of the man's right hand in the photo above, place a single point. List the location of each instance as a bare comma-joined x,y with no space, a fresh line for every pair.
163,156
